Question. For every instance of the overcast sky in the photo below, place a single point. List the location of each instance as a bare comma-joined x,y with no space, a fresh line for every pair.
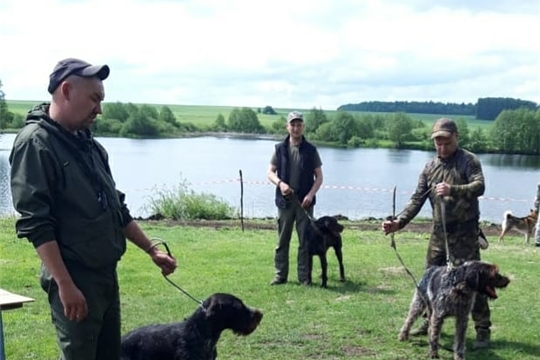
283,53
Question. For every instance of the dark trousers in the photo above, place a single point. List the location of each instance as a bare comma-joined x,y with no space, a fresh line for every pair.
97,337
286,221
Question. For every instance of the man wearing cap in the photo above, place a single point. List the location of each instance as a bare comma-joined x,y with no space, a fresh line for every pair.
71,212
452,181
295,169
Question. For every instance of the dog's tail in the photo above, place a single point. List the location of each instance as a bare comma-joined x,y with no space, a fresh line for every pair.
507,214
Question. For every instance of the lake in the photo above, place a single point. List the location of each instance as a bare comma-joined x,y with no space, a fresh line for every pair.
358,183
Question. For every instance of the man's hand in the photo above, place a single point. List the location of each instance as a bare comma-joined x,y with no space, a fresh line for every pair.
166,263
389,226
73,300
308,199
442,189
285,189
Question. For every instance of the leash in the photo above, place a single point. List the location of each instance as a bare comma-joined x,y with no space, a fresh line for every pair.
393,243
449,263
158,241
308,215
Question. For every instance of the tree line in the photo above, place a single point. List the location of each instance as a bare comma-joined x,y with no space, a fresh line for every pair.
514,131
485,108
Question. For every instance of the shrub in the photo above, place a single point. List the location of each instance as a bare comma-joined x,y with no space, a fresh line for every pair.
181,203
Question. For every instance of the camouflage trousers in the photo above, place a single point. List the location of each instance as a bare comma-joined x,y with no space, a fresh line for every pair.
463,246
287,218
537,233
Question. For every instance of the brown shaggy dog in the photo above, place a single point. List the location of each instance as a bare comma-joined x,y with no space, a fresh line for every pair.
445,292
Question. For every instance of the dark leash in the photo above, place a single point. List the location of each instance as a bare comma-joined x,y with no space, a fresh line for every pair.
393,245
156,242
296,201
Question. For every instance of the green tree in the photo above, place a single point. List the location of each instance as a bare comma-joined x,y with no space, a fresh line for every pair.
106,126
116,110
344,127
325,132
478,141
399,128
6,116
279,126
268,110
314,119
244,120
219,124
515,131
166,115
149,111
131,108
463,129
140,126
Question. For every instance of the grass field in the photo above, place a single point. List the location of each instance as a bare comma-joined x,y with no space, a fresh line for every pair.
201,115
359,319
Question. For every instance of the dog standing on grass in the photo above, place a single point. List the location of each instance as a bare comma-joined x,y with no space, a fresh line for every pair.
445,292
195,338
322,234
524,225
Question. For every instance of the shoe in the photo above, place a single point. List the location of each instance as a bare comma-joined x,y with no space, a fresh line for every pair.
421,330
278,281
482,339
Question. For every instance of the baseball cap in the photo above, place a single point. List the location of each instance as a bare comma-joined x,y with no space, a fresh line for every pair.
72,66
295,115
443,127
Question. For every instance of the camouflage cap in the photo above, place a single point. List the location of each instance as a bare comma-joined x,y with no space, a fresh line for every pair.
443,127
295,115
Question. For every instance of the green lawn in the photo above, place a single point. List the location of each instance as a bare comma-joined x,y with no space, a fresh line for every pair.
359,319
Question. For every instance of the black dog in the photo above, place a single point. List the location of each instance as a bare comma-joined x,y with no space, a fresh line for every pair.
445,292
195,338
321,235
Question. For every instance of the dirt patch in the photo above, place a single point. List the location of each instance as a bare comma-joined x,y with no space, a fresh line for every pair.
422,226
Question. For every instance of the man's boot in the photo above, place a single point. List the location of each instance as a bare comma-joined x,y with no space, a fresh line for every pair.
483,337
422,329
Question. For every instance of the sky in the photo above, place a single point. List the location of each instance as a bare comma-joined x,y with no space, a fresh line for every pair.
282,53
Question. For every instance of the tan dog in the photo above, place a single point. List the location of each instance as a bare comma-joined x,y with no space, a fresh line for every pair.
524,225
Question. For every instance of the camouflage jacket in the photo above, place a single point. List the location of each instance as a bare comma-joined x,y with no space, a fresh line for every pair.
464,173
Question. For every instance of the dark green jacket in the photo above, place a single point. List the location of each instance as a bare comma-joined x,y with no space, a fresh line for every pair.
63,189
464,173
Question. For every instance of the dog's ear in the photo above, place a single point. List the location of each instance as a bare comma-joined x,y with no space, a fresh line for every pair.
472,277
213,310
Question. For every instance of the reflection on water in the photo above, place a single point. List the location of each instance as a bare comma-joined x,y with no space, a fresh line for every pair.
513,161
358,183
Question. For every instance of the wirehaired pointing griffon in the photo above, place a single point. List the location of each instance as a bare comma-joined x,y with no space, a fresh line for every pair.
195,338
445,292
322,234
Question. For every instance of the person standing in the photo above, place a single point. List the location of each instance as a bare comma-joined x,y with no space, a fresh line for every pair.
452,181
537,207
295,169
70,210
